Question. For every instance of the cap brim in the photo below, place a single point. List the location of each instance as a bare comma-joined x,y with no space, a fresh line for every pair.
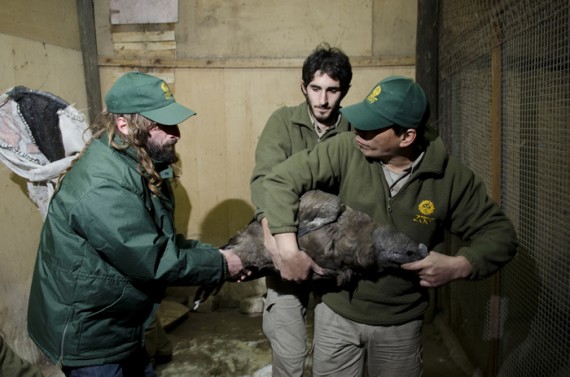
362,117
169,115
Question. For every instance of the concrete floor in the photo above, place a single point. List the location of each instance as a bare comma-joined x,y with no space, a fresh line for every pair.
228,343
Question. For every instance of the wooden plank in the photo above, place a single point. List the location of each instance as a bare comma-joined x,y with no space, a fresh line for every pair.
496,119
86,19
145,47
143,36
427,50
496,190
357,62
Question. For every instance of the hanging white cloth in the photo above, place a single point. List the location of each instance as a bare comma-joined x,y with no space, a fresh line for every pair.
22,153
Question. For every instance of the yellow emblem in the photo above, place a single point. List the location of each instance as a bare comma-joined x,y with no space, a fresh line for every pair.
166,90
373,96
426,207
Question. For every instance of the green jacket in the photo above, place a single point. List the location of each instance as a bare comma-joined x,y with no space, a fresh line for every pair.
287,131
107,251
441,194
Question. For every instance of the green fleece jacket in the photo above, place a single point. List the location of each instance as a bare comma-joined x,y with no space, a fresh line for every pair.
287,131
108,249
441,194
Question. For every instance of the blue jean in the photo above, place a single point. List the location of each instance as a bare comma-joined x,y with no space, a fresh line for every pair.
134,366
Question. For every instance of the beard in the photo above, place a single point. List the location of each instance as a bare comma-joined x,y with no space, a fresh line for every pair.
328,119
161,153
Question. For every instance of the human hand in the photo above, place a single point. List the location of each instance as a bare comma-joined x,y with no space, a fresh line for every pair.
438,269
293,264
296,265
235,267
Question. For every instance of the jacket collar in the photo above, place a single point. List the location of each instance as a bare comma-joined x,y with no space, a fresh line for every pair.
435,157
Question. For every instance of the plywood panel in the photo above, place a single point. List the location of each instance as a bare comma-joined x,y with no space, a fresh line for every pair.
394,27
259,28
53,22
202,146
43,67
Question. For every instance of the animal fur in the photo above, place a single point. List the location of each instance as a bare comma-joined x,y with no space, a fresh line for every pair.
337,237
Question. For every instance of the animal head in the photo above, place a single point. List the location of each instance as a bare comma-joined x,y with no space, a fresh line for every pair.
394,248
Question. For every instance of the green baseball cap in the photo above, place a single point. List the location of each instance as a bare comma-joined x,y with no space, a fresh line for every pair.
394,100
139,93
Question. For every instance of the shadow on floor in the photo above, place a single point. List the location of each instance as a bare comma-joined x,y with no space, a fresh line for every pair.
226,343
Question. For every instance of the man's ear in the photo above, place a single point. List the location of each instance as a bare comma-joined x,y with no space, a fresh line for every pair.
408,137
122,126
303,88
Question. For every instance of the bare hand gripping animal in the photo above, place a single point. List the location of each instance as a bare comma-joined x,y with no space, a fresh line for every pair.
341,240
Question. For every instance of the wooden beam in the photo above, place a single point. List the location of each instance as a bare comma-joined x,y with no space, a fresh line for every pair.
86,18
495,302
496,117
427,50
356,62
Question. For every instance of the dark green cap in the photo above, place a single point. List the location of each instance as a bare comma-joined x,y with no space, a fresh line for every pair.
139,93
394,100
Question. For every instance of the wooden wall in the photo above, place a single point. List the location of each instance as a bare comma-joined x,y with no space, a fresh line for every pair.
236,62
39,49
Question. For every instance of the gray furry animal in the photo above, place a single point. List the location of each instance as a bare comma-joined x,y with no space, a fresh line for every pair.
337,237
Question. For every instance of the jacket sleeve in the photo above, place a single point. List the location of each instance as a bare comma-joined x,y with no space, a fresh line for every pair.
476,218
117,225
273,147
305,170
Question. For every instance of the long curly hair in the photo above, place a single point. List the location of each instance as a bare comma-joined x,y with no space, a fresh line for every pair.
139,129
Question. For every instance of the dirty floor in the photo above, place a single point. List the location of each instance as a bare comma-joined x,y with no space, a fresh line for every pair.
227,343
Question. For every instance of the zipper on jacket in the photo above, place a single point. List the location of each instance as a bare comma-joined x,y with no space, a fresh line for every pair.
59,363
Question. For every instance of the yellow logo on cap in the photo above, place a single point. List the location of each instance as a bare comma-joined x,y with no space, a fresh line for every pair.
373,96
426,208
166,90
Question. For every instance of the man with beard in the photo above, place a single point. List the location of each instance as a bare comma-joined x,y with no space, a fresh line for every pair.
326,77
108,248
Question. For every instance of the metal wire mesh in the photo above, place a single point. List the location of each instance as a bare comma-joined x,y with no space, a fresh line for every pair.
533,297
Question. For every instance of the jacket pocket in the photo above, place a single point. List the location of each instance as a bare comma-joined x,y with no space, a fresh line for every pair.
113,319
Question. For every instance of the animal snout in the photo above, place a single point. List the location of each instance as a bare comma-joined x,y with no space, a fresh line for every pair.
422,251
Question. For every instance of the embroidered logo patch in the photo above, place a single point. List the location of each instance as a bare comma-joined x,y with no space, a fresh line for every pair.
373,96
426,208
166,90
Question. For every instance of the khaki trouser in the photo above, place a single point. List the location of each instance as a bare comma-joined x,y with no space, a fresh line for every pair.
342,346
285,325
